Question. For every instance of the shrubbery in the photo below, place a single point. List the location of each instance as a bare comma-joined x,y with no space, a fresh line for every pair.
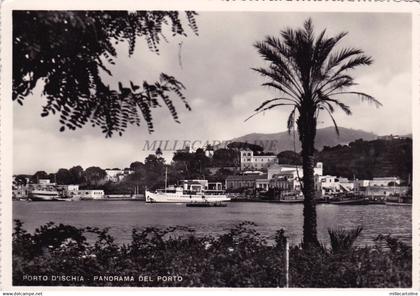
239,258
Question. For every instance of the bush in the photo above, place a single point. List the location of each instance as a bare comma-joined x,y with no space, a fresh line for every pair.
241,257
385,265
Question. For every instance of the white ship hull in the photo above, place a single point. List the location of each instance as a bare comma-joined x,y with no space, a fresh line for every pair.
43,195
165,197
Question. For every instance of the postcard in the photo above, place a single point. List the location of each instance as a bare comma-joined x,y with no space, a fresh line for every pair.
210,144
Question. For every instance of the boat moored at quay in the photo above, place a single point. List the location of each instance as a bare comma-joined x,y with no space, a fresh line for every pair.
43,195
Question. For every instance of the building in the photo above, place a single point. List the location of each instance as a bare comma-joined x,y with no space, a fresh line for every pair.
385,181
377,182
251,161
347,185
390,137
262,184
282,183
361,183
209,152
391,193
19,192
242,181
68,190
45,182
327,184
90,194
217,186
116,175
296,170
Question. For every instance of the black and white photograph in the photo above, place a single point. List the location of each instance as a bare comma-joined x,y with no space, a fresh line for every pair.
218,149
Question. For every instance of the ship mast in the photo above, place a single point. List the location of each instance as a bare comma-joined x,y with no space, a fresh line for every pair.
166,178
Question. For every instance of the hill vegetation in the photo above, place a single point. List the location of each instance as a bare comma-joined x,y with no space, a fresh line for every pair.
278,142
368,159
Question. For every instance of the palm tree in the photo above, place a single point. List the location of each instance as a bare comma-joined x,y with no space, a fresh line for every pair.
311,77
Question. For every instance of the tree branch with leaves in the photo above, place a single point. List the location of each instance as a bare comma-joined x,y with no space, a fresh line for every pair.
69,53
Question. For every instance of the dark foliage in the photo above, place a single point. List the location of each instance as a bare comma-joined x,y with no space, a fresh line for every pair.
289,157
243,145
238,258
70,52
342,240
385,265
368,159
241,257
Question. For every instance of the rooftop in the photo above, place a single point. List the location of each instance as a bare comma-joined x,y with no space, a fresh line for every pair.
246,177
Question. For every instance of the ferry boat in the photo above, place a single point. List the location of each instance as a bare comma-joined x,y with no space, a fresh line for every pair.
190,191
44,195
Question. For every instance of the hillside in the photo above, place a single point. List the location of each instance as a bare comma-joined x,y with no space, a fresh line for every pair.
368,159
282,141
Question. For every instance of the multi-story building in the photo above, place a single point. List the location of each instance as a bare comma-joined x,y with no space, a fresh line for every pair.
296,170
327,184
293,173
243,181
282,183
251,161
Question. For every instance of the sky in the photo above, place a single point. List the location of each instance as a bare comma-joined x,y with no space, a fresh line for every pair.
223,91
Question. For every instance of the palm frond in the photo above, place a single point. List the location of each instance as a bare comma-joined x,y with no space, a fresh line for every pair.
337,58
291,120
266,102
268,108
281,88
309,30
360,60
342,106
334,83
363,97
333,120
280,80
343,240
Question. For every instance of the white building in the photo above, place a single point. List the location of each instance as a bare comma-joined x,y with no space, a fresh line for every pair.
362,183
332,184
293,173
346,184
327,184
296,170
90,194
378,182
45,182
116,175
262,184
251,161
384,181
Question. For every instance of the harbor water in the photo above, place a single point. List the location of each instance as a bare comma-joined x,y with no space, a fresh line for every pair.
122,216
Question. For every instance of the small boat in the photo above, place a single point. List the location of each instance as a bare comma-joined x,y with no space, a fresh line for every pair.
390,203
376,202
289,201
355,202
206,204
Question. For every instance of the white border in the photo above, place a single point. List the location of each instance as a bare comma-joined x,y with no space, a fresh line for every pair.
6,130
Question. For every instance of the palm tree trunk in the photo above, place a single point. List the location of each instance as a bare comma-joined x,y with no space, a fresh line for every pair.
307,132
